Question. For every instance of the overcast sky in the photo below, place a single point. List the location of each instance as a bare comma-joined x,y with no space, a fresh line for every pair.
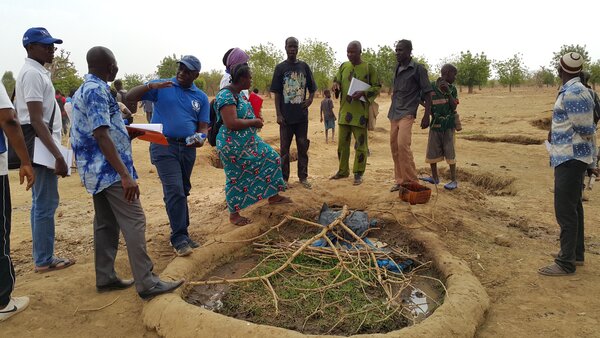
141,33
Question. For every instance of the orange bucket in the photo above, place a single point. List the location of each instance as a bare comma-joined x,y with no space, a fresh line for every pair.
414,193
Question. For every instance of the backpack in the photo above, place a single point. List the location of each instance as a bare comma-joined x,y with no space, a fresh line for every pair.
215,123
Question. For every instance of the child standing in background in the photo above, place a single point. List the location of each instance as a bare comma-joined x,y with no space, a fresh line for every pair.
327,115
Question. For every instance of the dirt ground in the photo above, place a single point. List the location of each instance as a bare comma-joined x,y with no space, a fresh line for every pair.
504,237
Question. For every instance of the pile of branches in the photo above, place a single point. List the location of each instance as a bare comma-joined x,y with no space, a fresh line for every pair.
354,268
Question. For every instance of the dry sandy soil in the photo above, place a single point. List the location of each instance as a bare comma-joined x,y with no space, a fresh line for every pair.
503,237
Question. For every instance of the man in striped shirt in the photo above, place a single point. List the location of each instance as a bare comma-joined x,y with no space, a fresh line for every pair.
571,151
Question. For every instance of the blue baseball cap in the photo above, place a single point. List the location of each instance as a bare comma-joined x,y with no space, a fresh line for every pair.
191,62
39,35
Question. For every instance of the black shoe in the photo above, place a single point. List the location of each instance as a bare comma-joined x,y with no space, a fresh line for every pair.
119,284
183,250
358,179
193,244
160,288
338,176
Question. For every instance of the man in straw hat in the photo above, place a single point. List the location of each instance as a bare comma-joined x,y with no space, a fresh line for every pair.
571,139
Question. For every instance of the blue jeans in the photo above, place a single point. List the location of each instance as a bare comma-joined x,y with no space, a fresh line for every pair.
43,206
174,164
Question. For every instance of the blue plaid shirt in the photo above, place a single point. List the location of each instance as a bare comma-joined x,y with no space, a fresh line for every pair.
572,125
94,107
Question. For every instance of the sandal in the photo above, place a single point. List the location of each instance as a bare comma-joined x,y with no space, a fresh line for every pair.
429,179
57,264
280,200
554,271
395,187
451,186
240,221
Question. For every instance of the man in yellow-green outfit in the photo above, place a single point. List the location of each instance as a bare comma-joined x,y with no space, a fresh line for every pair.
354,111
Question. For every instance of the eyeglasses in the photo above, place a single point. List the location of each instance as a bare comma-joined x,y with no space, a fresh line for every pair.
47,47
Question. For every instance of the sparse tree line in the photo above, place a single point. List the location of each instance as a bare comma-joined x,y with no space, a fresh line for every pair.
474,70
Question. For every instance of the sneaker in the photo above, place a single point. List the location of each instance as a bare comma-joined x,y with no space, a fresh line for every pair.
451,186
183,250
429,179
16,305
193,244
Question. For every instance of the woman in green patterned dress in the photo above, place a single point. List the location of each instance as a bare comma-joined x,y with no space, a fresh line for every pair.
252,167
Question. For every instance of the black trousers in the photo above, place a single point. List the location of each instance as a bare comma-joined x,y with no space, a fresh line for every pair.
568,207
7,271
286,133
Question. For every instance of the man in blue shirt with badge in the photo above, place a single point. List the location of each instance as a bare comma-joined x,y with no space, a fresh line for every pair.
183,110
102,148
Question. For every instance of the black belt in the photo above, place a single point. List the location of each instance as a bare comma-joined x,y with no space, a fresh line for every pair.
176,139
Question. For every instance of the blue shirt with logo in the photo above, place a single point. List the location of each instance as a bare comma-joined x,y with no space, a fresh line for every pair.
178,109
94,107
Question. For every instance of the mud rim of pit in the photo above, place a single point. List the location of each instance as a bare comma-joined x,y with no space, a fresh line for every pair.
170,315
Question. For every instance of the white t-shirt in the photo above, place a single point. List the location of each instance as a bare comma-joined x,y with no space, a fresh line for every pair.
34,85
4,103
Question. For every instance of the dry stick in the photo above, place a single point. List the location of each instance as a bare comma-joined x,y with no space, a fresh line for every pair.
261,262
273,293
96,309
317,309
379,278
322,233
342,262
437,280
283,222
361,323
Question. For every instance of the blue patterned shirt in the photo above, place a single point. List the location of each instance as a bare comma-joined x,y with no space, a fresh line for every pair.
94,107
572,125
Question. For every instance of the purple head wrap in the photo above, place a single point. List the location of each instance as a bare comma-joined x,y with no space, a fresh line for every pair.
236,57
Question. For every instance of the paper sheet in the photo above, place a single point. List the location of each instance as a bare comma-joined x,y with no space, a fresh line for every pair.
357,85
43,156
156,127
152,132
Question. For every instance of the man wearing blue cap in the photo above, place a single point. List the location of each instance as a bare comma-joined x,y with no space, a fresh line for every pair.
38,110
183,110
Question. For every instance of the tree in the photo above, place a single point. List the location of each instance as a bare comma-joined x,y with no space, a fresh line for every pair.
473,70
8,80
212,80
132,80
595,73
564,49
385,62
64,74
167,67
263,59
321,59
544,76
200,82
510,71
